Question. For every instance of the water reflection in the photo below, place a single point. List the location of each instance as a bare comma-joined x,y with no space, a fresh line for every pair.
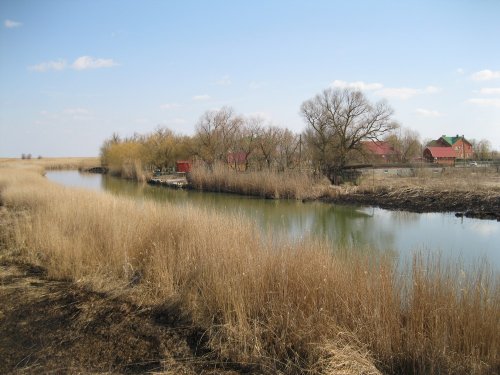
390,232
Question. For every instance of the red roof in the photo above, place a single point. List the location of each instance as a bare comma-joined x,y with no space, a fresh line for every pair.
379,148
236,157
442,152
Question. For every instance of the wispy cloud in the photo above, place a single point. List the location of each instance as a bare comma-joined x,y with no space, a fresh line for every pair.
168,106
404,93
76,114
255,85
88,62
387,92
460,71
490,91
485,102
428,112
49,65
224,81
178,121
485,75
9,24
81,63
358,85
201,97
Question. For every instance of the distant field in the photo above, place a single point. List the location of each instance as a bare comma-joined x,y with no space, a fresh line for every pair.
52,163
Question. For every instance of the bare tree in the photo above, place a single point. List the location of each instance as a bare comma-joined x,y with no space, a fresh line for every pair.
216,134
407,143
268,142
337,122
246,138
483,149
288,150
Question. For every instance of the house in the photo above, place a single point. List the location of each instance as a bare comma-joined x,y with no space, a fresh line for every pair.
440,155
461,146
380,151
237,160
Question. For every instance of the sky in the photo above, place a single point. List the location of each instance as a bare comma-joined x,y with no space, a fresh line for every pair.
72,73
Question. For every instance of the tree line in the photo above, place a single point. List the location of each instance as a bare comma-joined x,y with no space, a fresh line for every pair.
338,125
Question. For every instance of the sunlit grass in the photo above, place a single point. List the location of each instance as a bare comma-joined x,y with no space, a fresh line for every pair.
293,307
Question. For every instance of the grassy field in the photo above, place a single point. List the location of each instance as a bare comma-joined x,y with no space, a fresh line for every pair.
51,163
288,307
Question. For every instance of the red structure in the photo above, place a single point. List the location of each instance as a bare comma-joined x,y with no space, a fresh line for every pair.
440,155
461,146
183,166
237,160
381,151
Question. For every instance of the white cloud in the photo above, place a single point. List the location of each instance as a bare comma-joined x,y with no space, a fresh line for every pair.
490,91
81,63
168,106
460,71
483,102
404,93
9,24
201,97
485,75
49,65
76,111
428,112
398,93
358,85
62,116
431,89
178,121
224,81
254,85
88,62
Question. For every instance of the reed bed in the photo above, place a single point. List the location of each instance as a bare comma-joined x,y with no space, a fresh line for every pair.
265,184
290,307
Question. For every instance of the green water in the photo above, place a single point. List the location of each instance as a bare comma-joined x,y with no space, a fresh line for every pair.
397,233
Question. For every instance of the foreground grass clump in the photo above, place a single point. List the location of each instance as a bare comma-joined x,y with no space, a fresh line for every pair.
291,307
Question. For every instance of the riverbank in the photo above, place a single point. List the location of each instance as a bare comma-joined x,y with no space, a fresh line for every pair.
463,191
472,204
283,307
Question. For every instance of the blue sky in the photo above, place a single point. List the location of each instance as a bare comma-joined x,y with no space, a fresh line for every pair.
74,72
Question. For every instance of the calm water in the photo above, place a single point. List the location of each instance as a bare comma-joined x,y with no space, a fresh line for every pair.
397,232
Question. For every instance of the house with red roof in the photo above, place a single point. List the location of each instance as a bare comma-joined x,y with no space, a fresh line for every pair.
460,146
440,155
237,160
380,151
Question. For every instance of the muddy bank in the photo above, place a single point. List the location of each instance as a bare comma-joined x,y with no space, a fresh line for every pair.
49,326
480,205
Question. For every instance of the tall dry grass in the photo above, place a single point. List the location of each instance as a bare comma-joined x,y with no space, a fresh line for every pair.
291,307
265,184
51,163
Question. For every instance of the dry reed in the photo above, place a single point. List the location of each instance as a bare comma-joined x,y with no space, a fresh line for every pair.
265,184
292,307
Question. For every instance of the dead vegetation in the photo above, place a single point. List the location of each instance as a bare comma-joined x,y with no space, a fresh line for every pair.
283,307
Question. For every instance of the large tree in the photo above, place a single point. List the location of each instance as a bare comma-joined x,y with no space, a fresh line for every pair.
337,123
216,133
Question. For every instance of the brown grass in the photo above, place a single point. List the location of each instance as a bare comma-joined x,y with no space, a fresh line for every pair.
292,307
481,179
265,184
51,163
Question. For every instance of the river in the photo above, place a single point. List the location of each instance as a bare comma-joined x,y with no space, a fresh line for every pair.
398,233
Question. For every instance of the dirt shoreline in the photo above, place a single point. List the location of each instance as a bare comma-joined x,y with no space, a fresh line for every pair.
49,326
469,204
